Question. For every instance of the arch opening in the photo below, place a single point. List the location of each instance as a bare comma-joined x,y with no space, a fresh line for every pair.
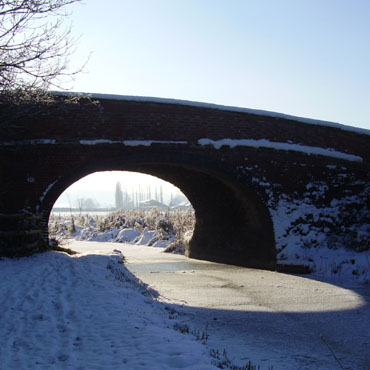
232,225
122,206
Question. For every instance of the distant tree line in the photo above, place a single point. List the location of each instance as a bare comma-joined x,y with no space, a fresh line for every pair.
127,199
131,198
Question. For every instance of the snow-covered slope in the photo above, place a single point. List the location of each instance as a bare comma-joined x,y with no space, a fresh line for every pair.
87,312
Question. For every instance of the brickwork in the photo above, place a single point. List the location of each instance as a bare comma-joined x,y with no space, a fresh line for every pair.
231,189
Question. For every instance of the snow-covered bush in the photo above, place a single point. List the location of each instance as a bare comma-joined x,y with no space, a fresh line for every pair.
331,236
151,227
177,247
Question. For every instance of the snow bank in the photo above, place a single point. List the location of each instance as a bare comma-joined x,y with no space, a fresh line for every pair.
87,312
333,240
147,238
152,238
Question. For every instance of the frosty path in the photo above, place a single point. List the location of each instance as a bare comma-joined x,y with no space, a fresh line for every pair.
84,313
286,321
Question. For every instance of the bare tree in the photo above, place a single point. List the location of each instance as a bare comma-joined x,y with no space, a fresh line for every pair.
35,45
80,204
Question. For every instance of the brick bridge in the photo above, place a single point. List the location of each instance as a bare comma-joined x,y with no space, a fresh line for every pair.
245,172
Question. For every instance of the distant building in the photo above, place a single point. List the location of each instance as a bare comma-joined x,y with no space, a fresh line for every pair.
180,202
152,203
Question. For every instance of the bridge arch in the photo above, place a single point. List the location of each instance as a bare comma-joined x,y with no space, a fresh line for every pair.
232,223
220,157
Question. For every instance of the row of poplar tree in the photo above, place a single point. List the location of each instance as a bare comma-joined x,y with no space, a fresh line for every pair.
131,198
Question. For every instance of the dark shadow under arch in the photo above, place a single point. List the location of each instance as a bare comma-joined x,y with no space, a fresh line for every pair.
233,226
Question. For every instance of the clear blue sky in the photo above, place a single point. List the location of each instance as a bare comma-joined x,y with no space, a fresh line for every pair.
308,58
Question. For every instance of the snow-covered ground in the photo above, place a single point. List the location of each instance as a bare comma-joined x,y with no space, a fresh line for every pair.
304,234
87,312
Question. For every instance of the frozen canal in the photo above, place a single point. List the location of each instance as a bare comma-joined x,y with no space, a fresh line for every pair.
290,322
